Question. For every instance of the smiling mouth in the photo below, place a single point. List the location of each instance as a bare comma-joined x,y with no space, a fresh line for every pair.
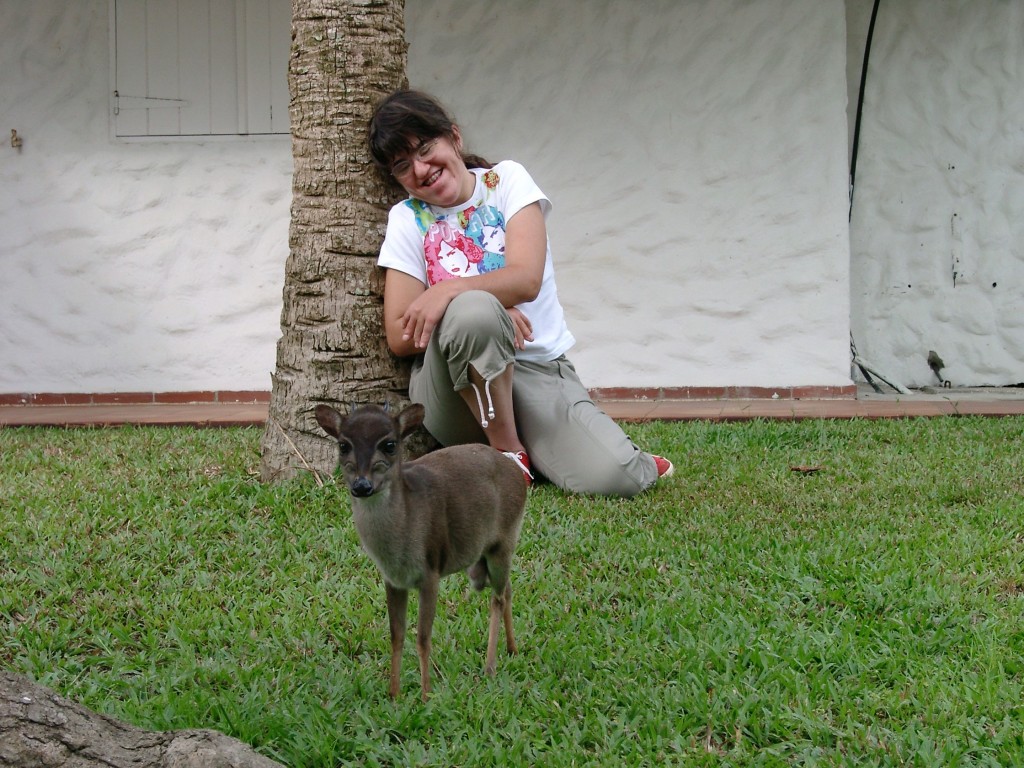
432,178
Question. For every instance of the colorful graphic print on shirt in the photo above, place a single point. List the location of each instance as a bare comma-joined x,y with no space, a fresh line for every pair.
470,242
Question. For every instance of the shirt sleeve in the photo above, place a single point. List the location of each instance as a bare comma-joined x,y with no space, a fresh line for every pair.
519,190
402,248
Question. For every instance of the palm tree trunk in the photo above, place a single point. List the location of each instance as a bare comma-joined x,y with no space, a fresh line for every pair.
345,55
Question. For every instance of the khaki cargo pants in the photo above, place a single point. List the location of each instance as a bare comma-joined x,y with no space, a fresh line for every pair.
570,441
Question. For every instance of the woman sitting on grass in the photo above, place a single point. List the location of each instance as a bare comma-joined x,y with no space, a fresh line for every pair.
470,291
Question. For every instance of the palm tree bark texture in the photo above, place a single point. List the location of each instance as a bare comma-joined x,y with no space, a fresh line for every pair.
345,55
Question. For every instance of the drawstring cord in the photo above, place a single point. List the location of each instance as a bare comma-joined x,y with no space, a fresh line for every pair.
480,403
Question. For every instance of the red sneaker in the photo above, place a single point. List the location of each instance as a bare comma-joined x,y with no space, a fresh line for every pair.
664,466
523,462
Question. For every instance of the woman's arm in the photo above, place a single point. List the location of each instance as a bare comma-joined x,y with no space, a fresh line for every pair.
416,314
400,290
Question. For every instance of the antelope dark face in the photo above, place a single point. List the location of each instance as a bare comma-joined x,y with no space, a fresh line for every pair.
369,444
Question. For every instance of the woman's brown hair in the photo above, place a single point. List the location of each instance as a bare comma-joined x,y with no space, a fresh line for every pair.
402,121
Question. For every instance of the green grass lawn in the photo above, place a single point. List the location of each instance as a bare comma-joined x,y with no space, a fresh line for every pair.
742,613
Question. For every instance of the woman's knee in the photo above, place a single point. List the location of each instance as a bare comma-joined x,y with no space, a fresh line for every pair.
475,309
476,329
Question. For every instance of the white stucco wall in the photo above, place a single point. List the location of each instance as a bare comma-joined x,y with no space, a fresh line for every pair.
695,154
940,190
153,266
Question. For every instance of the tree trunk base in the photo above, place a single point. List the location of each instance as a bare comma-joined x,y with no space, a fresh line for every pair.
39,728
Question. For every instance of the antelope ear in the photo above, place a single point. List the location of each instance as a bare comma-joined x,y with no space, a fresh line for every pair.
329,420
410,418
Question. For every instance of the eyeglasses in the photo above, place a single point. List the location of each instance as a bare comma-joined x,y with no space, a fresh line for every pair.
423,152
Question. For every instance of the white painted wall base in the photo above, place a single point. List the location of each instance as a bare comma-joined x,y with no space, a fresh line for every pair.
695,153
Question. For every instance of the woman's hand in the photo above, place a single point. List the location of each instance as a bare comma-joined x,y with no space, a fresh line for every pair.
425,312
522,325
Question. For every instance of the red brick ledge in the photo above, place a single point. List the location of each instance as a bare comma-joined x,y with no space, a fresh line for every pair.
135,398
600,393
848,392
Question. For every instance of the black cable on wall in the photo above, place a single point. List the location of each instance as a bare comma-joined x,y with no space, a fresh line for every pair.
860,102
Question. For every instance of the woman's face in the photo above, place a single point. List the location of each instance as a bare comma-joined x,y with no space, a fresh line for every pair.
435,173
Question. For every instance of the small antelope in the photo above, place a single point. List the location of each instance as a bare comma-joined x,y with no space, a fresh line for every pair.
457,508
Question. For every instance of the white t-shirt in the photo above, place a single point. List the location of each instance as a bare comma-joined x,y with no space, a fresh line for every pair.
435,244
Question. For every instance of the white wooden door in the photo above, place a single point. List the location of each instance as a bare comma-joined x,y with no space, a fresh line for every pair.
201,67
